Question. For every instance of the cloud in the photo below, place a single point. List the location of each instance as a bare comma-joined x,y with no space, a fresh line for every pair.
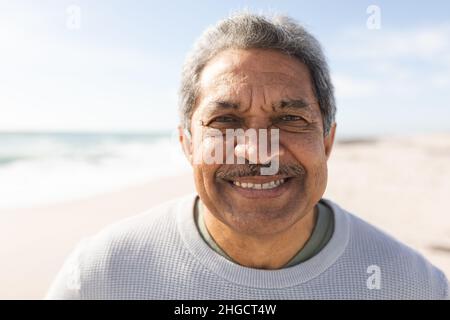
392,80
394,63
350,87
423,43
58,81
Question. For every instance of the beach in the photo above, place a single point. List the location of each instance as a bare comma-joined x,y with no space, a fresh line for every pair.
399,184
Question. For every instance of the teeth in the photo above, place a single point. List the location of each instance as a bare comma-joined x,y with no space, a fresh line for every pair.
258,186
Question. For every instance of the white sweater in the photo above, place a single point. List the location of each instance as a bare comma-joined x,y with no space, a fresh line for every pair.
159,254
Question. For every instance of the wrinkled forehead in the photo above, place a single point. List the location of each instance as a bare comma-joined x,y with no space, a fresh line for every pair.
240,76
233,72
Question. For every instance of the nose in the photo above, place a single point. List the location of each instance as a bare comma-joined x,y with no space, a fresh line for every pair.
259,147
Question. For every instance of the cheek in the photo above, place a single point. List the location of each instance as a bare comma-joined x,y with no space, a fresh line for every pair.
208,156
210,150
310,153
308,147
320,177
209,191
204,176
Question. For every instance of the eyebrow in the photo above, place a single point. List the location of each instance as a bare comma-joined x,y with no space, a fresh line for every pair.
223,105
295,104
291,104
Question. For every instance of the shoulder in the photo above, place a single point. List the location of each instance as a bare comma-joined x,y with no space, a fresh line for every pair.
138,228
130,236
401,266
121,255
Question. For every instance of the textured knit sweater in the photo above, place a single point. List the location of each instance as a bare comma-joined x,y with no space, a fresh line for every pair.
159,254
320,235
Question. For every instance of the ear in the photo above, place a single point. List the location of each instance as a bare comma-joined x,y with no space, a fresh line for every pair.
329,140
184,136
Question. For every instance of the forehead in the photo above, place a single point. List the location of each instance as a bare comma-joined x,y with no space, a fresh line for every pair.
235,72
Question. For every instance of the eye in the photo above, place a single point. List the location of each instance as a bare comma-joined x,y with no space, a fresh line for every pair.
290,117
291,123
224,119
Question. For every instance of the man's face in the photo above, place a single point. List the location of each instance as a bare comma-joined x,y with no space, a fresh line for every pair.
257,89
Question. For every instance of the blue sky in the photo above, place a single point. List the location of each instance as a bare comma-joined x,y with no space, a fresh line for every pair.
119,71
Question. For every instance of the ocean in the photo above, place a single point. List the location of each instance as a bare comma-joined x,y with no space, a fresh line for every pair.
44,168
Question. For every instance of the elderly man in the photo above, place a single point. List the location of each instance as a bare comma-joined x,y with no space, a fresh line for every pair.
258,227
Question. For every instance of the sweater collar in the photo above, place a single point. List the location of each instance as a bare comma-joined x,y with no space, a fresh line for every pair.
261,278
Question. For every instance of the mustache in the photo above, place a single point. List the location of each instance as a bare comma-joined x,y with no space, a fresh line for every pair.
252,170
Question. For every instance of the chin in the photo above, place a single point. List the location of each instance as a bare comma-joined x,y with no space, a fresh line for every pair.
259,219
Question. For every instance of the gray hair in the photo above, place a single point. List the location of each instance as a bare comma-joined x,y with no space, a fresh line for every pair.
247,30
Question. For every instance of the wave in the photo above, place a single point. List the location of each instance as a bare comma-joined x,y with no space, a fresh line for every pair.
44,168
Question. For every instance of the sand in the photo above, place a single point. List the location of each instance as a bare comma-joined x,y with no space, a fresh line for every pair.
35,241
399,184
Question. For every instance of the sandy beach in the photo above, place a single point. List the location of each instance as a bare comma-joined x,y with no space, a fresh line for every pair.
399,184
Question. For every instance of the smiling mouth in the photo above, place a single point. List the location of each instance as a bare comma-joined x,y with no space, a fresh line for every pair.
260,186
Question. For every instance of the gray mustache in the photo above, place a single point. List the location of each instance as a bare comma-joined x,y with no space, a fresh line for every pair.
251,170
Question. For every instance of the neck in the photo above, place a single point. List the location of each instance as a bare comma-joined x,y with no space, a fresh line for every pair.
262,252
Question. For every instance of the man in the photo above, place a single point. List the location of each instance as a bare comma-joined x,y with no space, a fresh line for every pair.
251,233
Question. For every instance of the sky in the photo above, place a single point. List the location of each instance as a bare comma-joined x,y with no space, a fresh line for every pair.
115,65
